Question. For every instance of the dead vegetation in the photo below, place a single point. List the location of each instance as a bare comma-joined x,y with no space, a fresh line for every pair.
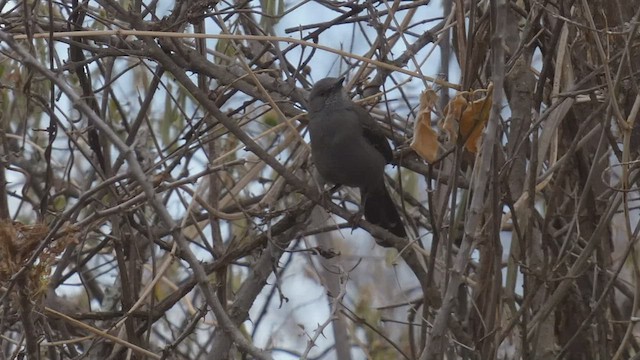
160,202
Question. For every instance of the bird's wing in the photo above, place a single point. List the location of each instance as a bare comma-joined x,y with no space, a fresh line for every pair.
372,132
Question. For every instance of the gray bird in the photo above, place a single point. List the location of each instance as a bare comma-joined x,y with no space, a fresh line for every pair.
348,148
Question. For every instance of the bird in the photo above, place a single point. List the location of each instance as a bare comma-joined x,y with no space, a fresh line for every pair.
348,148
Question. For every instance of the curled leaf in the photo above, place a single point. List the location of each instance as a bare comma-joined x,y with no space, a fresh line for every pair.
452,115
465,119
475,119
425,140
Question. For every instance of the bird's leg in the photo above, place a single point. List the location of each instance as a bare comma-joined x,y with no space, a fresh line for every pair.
355,218
326,195
334,188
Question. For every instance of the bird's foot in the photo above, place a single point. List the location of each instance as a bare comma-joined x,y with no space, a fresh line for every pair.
354,219
325,196
334,188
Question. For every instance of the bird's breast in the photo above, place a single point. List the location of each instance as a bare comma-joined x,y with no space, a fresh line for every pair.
343,156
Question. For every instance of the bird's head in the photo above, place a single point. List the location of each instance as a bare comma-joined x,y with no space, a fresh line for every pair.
327,92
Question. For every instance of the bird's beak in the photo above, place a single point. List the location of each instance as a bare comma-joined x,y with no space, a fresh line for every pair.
340,81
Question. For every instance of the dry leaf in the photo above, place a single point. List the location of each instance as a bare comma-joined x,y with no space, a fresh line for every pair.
425,139
452,115
475,118
17,244
466,119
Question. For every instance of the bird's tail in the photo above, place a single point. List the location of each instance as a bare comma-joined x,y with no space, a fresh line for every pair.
380,209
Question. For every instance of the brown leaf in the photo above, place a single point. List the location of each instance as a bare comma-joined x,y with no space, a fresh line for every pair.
475,118
466,119
452,115
425,139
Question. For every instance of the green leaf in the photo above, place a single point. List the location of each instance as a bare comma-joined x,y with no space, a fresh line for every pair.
224,46
273,10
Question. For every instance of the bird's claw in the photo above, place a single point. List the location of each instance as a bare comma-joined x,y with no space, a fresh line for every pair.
354,219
